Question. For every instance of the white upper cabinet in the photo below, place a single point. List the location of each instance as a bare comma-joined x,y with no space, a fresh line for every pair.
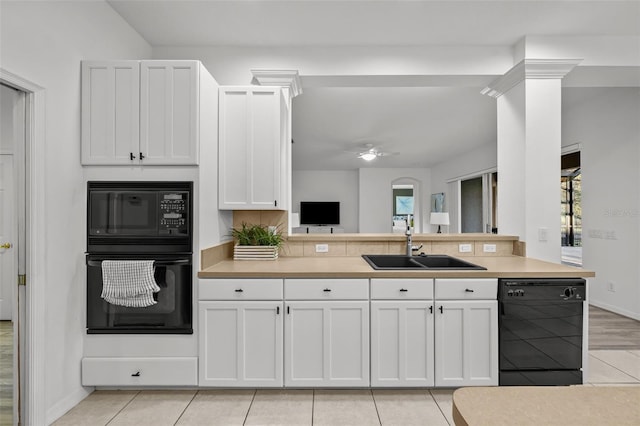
252,132
142,112
110,111
169,112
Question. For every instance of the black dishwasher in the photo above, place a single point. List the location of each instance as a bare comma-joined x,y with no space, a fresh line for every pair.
540,331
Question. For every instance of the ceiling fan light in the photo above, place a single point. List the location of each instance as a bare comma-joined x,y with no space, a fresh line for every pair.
368,156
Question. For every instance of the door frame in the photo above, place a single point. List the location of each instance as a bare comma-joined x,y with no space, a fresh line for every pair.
32,361
455,205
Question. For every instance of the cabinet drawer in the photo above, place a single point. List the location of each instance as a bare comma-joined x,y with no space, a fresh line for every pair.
321,289
162,371
240,289
471,288
411,289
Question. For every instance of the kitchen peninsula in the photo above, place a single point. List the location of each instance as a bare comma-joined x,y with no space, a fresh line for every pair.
321,316
501,255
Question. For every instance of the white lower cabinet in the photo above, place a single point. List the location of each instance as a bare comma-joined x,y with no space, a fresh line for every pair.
466,333
402,343
326,343
333,333
241,329
241,344
402,332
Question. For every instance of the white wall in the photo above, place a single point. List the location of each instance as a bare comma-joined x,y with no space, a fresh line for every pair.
376,197
606,124
328,185
44,42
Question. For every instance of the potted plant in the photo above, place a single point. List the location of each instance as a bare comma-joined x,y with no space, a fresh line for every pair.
256,242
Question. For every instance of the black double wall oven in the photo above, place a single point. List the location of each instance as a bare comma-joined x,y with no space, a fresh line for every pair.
141,221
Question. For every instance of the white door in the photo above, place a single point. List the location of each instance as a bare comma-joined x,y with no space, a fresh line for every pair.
8,252
240,344
327,343
466,343
169,112
402,343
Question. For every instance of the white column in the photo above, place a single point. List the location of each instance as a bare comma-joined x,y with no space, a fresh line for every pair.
529,148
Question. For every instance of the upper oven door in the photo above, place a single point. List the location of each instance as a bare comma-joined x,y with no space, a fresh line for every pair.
123,213
139,217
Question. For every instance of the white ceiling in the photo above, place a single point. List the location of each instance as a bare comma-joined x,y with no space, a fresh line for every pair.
427,125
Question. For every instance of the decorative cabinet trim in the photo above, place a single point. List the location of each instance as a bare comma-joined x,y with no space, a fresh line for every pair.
281,78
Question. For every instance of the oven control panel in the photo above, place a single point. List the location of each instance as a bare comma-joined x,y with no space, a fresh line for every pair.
174,213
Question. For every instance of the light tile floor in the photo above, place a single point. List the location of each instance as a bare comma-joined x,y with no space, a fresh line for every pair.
305,407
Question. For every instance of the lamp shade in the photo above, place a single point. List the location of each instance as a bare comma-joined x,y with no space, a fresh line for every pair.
439,218
295,220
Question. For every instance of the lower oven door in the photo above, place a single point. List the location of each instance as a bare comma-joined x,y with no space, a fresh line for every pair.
172,313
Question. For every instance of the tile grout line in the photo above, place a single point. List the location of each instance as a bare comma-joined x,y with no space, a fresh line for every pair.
246,416
122,409
438,405
375,405
637,380
313,404
187,406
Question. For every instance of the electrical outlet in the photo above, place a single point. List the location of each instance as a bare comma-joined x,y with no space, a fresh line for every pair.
489,248
464,248
322,248
611,286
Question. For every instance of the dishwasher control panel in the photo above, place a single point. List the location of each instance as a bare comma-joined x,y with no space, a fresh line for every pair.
568,289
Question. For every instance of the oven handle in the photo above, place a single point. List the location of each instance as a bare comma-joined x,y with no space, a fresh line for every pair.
155,263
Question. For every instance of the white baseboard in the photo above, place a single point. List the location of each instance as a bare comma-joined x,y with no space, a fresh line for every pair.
615,309
66,404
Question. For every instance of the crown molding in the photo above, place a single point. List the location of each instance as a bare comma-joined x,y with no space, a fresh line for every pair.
530,69
281,78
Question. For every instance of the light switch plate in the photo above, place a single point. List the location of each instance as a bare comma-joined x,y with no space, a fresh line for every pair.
322,248
464,248
489,248
543,234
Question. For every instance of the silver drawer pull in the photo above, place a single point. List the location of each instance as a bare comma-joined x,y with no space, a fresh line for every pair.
239,290
403,290
468,290
327,289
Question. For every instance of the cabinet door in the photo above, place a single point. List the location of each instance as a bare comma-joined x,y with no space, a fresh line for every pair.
327,344
250,138
402,343
240,344
110,112
466,342
169,112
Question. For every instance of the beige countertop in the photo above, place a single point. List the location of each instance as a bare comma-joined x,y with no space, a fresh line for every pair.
357,267
541,405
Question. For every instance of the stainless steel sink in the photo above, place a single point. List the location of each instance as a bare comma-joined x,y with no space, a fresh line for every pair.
402,262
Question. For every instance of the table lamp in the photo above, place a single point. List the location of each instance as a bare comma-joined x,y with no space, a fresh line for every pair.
438,218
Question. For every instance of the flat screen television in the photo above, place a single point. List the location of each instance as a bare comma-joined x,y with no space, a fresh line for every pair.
319,212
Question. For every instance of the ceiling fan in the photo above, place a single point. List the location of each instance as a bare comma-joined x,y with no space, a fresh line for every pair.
371,152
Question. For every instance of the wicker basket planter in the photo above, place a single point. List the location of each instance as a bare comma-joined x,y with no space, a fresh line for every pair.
255,252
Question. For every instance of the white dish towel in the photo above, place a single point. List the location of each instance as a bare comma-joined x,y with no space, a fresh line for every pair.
129,282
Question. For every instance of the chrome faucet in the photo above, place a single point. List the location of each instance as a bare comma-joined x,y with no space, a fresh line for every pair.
410,247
